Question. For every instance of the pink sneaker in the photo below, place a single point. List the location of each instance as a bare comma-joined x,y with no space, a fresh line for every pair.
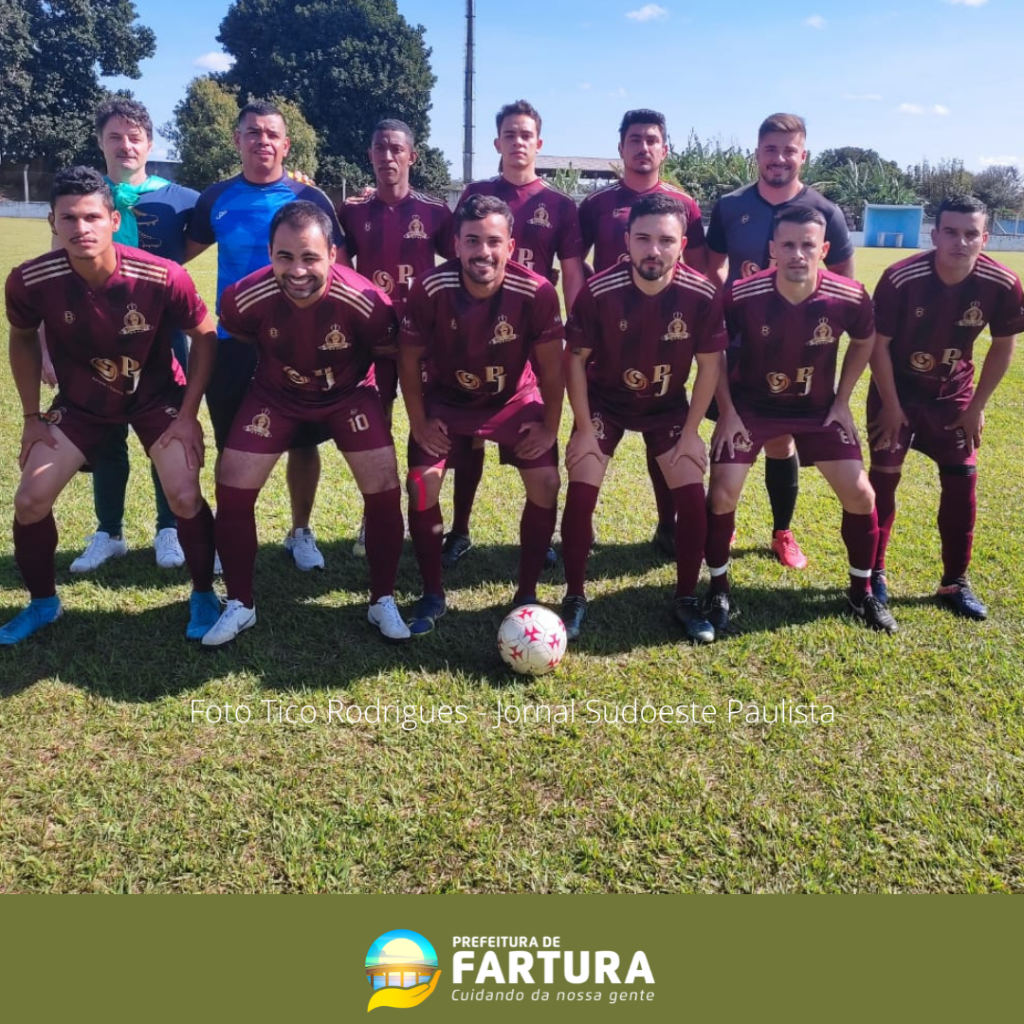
787,551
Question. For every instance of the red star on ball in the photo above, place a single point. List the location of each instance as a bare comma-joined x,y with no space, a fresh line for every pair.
516,653
532,634
524,613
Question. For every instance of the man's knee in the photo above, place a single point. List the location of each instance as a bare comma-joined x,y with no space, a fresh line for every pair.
183,496
542,487
31,504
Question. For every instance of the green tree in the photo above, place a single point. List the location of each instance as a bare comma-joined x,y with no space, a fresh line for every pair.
202,133
346,63
708,170
934,182
53,53
1000,188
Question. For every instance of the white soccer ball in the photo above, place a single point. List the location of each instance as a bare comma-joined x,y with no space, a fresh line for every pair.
532,640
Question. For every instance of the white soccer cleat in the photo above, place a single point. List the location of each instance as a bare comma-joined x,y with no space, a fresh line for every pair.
302,544
386,617
235,619
168,551
101,548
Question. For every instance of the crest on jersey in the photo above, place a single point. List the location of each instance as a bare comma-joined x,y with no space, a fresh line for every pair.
467,380
540,217
454,325
823,333
634,380
295,377
69,317
367,226
274,332
922,362
597,423
973,316
384,281
260,425
134,321
741,443
745,219
919,312
416,229
765,331
503,332
334,339
623,325
676,329
777,382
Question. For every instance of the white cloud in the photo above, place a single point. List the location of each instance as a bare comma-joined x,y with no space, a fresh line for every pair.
815,21
968,3
618,94
940,109
999,161
910,108
872,96
649,12
214,61
917,109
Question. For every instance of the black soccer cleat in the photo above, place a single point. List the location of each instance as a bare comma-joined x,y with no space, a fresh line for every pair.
720,611
573,614
688,613
874,613
880,586
520,600
961,600
454,546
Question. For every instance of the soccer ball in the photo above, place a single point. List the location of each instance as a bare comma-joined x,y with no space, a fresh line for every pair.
532,640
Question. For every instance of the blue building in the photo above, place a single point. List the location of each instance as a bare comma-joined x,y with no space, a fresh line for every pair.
892,227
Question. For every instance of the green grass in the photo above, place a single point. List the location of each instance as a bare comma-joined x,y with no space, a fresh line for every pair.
107,785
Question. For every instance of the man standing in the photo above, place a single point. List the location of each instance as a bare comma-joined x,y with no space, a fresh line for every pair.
109,313
789,320
634,332
154,215
394,235
235,214
739,237
604,215
930,308
479,321
317,327
545,226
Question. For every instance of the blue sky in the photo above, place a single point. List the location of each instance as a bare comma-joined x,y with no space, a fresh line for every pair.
912,79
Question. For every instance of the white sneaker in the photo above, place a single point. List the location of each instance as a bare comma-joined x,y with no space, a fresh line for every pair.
302,544
168,551
234,619
101,548
359,548
385,616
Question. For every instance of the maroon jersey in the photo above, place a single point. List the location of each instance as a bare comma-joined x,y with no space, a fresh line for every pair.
479,349
933,325
110,344
604,217
545,222
311,354
787,352
643,345
393,245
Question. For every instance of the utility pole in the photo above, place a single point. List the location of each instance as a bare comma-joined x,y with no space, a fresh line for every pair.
467,138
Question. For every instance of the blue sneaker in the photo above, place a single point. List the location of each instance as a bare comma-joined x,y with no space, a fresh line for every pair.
425,613
961,600
40,612
203,613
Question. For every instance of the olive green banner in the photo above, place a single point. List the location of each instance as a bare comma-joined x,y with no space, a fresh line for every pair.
412,960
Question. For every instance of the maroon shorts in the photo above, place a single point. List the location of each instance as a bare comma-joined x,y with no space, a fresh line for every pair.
265,427
501,425
926,432
660,431
386,374
814,442
89,432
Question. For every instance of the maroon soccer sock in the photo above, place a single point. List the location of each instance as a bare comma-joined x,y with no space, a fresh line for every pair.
535,529
467,480
426,527
662,492
716,548
384,533
958,509
782,481
236,540
197,544
577,534
690,505
35,546
860,535
885,485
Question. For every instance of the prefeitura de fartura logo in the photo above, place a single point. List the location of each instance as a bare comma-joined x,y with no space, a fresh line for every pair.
401,967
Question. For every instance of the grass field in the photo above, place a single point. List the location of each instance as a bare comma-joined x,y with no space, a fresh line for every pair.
107,783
